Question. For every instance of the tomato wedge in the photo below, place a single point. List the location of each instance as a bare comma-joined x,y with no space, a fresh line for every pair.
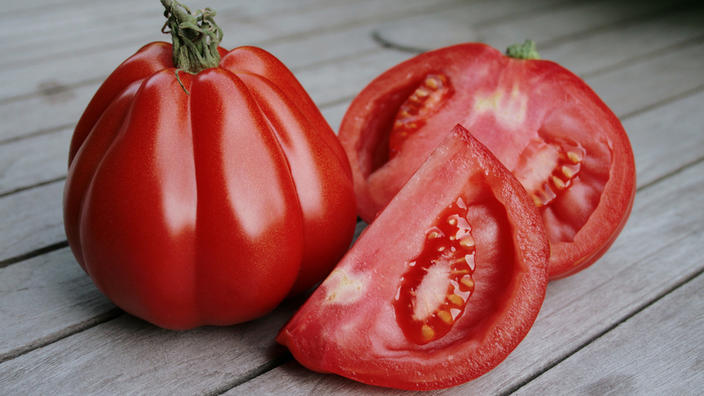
542,122
440,288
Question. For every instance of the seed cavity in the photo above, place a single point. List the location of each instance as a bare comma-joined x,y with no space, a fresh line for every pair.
427,99
548,168
437,284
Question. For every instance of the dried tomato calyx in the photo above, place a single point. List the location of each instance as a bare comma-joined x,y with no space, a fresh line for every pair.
195,37
427,99
547,169
435,288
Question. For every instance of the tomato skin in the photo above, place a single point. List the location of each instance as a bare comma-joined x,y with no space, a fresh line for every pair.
204,208
510,105
349,326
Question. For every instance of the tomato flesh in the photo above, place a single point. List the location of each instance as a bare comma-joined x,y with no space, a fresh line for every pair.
422,103
564,145
446,263
439,288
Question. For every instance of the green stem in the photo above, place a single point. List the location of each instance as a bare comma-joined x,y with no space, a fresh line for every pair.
526,50
195,37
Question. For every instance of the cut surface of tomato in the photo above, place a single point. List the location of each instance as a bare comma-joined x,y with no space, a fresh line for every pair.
564,145
440,288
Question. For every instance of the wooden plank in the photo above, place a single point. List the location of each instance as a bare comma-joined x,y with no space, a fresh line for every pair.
652,254
93,64
658,351
63,104
64,301
48,298
542,24
583,18
595,53
670,131
658,83
31,220
45,299
40,36
32,7
127,355
29,162
62,99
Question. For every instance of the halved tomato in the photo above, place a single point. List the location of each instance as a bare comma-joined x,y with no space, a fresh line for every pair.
541,121
440,288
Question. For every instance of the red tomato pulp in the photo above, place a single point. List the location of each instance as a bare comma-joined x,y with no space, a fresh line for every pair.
440,288
542,122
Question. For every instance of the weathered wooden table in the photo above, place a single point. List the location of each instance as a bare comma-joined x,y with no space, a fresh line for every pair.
633,323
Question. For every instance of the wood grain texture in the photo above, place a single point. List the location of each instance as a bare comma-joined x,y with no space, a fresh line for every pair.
651,80
669,132
127,355
62,103
45,299
63,94
30,161
640,266
658,351
92,62
546,22
43,34
631,42
31,219
49,297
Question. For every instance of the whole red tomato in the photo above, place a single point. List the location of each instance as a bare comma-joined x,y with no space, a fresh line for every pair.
542,122
440,288
204,187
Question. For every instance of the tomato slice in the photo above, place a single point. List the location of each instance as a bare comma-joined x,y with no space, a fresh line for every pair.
542,122
440,287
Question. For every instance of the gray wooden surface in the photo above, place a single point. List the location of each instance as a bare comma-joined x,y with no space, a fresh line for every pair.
633,323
